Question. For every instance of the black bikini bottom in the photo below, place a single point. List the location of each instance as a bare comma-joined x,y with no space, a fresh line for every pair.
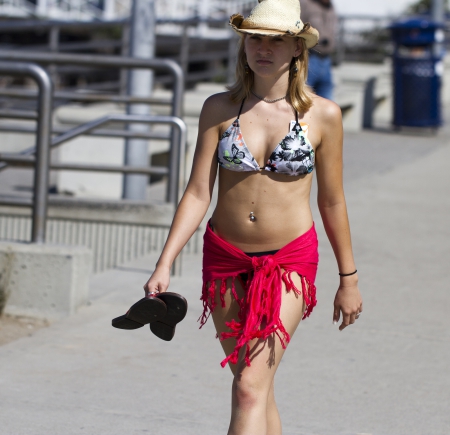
244,276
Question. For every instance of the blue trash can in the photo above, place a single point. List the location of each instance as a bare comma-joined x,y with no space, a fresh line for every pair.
417,73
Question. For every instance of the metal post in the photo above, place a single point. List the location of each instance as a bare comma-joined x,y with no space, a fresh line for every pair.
203,13
41,8
41,172
340,52
232,53
176,166
109,10
124,52
437,15
142,44
437,10
184,49
53,43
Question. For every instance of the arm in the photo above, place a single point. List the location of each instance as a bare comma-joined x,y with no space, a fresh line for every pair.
332,207
196,198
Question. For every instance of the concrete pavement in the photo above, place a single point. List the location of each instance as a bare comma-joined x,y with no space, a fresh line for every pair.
386,375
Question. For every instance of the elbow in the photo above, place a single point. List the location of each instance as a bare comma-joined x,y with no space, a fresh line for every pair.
330,202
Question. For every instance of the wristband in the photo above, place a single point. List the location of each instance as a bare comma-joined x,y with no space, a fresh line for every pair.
348,274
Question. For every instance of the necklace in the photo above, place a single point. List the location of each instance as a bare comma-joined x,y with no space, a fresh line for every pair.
267,100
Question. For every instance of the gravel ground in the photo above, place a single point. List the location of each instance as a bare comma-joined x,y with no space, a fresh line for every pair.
15,327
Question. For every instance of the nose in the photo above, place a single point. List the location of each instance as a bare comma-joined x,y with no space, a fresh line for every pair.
264,46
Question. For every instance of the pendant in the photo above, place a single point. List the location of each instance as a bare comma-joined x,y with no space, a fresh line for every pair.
252,217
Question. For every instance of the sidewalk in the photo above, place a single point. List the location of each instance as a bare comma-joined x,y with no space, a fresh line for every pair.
386,375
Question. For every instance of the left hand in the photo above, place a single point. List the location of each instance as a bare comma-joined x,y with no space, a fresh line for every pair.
348,301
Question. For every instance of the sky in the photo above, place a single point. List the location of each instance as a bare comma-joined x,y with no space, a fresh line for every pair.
378,7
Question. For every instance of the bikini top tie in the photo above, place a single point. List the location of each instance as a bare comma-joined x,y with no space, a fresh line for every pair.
293,156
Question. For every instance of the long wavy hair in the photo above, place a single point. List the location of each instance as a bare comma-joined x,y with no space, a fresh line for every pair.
298,91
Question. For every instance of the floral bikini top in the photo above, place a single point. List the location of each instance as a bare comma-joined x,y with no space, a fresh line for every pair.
294,155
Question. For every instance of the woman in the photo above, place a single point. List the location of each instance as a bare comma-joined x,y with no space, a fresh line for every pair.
260,251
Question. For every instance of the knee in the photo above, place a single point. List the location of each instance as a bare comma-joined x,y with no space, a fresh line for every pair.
248,392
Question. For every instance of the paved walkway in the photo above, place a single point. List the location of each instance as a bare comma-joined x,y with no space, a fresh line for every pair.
386,375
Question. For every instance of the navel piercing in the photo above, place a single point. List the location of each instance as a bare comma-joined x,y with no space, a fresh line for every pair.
252,217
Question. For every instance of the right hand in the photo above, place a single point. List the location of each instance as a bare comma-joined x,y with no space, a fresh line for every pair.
158,282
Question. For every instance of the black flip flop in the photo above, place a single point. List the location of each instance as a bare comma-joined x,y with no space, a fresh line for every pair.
176,311
142,312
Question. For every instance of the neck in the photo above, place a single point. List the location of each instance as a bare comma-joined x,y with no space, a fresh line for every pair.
269,88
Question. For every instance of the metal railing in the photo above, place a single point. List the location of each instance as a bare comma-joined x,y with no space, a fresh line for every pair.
111,61
44,142
42,150
175,172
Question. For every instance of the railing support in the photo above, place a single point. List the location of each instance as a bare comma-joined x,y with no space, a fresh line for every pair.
44,127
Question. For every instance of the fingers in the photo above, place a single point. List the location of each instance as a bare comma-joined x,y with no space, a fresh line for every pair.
152,288
347,318
336,315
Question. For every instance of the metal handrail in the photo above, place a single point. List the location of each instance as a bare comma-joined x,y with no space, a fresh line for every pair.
107,61
120,62
111,132
86,97
25,158
44,121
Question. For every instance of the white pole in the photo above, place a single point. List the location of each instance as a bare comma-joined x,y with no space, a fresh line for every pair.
140,83
109,10
203,12
41,9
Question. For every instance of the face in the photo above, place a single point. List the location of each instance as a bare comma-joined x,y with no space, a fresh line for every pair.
270,55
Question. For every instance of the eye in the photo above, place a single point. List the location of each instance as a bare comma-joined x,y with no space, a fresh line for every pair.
255,37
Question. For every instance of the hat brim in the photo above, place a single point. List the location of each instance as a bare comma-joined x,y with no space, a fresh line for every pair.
308,33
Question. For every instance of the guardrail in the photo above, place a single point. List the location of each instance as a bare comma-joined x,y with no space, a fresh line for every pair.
44,142
43,131
109,61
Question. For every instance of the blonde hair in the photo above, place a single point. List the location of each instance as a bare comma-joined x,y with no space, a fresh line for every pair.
298,90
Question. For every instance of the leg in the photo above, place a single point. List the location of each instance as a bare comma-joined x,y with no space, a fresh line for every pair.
325,86
320,77
254,410
273,416
313,72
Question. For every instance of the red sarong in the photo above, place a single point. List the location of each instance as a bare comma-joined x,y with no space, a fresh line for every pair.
262,299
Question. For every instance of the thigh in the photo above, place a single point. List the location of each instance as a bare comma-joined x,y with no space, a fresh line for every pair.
265,355
222,315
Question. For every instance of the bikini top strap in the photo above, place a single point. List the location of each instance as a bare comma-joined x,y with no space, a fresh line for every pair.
240,109
297,123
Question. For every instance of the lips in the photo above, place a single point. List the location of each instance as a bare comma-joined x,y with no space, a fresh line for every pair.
263,62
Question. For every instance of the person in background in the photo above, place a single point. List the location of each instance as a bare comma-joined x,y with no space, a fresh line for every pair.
322,15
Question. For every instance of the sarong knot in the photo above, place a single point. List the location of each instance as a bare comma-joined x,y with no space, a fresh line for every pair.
266,264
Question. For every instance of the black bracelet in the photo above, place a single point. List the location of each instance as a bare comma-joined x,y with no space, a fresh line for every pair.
348,274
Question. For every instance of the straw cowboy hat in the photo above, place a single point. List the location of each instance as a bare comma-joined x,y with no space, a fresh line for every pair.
276,17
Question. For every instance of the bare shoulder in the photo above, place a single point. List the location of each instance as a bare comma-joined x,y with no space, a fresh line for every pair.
326,111
326,118
218,109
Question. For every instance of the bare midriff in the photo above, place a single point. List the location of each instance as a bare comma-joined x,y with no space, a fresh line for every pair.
280,204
